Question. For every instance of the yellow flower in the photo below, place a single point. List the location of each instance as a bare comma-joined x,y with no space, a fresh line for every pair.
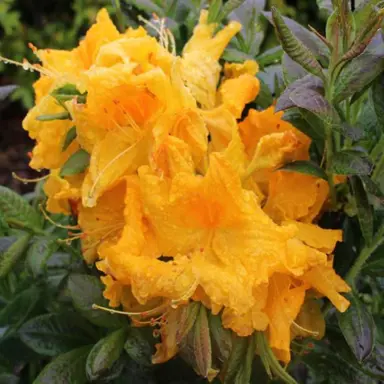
102,32
201,54
49,135
295,196
261,123
62,193
104,223
123,110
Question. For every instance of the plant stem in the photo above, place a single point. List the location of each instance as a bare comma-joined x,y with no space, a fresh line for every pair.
329,155
364,255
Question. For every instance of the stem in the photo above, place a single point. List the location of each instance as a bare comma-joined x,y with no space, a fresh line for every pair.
329,155
365,254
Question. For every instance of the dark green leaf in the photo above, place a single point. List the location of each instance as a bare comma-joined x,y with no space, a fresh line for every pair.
17,211
39,252
308,82
67,368
313,42
364,209
306,167
356,74
11,255
54,116
77,163
87,290
264,98
374,268
378,99
350,163
221,339
105,353
53,334
17,311
71,135
371,187
294,47
352,132
358,328
314,102
8,378
138,347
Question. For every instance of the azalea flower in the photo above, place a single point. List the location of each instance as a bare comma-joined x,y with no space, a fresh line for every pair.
183,201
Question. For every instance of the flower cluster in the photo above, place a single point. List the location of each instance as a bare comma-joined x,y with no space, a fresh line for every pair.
181,198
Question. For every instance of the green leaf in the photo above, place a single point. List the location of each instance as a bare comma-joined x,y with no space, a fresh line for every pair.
70,136
358,328
66,368
87,290
309,39
377,93
294,47
53,334
244,374
350,162
68,92
230,6
236,359
214,11
77,163
39,252
17,311
270,56
54,116
105,353
305,167
138,347
364,209
357,74
363,12
293,71
11,256
202,343
16,210
364,37
305,121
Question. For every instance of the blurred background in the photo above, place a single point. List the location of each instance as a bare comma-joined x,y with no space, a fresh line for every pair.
60,24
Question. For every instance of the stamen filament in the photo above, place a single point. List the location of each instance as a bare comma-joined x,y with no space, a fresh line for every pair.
24,180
